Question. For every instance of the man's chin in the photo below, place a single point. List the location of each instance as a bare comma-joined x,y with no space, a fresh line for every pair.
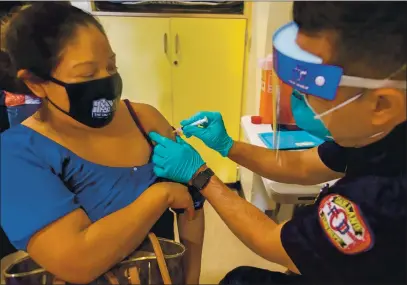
361,141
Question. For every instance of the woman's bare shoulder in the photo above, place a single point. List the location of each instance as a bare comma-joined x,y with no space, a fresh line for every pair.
152,120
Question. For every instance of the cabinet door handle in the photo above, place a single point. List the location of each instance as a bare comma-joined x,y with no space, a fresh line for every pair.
165,43
176,44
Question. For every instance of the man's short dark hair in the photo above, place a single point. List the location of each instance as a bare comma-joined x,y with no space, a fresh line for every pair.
370,37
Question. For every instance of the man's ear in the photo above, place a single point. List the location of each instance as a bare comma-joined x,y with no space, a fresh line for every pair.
33,82
390,106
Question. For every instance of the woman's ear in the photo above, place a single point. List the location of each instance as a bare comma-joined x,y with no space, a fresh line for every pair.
33,82
390,106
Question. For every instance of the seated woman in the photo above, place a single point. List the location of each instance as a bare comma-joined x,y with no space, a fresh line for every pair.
78,192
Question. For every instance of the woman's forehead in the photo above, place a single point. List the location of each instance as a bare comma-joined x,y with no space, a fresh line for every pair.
87,44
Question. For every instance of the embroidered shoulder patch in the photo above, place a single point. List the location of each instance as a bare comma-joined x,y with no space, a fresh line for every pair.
344,225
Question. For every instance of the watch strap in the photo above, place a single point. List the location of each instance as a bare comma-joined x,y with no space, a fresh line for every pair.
200,181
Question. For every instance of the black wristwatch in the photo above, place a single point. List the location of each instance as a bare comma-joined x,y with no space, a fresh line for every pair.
200,181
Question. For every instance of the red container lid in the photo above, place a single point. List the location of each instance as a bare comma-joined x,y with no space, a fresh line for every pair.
256,120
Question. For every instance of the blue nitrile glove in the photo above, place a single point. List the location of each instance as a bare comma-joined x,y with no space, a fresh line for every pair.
213,133
177,161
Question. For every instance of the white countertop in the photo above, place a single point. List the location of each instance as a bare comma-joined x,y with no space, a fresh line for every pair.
276,190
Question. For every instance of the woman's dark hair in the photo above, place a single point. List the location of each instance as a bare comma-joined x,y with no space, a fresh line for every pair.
8,6
34,37
370,36
8,80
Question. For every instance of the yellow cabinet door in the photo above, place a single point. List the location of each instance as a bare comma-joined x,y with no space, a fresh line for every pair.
143,58
208,61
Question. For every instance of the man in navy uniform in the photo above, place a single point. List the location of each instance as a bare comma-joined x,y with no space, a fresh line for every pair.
353,95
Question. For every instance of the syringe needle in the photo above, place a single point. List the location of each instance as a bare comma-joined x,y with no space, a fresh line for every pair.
196,123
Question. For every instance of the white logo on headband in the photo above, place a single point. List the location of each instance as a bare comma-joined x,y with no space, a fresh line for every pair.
299,74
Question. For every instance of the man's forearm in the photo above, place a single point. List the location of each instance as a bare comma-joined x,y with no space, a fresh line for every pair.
284,168
247,222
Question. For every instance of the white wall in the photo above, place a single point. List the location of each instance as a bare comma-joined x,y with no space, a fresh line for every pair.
266,18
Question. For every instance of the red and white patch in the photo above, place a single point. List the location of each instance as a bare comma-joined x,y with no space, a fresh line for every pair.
344,225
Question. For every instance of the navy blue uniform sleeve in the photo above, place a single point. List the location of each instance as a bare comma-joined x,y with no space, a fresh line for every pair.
333,156
329,238
301,239
32,195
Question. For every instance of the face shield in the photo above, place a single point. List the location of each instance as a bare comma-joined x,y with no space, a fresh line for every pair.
305,76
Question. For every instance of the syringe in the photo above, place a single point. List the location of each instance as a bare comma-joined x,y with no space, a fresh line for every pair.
196,123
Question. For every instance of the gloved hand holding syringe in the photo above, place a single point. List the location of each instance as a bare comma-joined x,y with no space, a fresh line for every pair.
209,128
196,123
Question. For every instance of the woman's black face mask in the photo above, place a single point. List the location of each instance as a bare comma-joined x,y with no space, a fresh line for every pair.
92,103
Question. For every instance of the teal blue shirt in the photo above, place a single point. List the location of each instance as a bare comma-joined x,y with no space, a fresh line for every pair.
41,181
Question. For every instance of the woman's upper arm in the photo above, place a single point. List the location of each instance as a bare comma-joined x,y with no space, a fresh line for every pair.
56,247
153,121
